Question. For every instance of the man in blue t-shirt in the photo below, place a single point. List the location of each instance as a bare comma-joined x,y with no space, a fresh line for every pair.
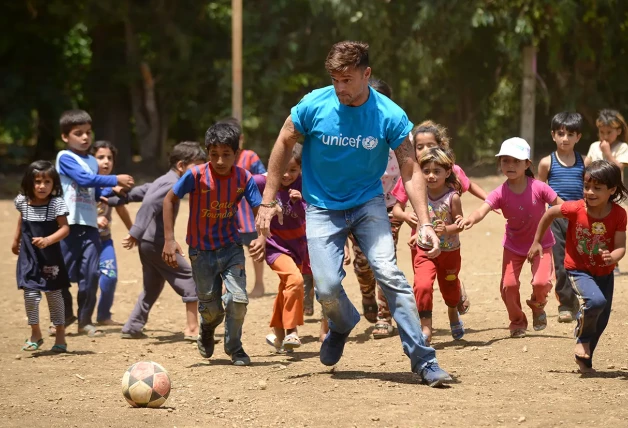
348,129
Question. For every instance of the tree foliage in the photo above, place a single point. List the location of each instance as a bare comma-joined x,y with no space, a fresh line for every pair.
154,72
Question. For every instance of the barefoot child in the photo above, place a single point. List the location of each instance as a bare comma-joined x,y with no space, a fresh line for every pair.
148,234
445,209
596,241
105,154
41,225
215,247
285,254
522,200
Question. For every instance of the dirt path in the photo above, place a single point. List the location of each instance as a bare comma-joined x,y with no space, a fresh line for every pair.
500,381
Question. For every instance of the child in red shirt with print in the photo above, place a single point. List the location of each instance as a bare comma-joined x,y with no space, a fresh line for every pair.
596,241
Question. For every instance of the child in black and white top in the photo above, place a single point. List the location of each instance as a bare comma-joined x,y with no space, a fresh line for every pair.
41,225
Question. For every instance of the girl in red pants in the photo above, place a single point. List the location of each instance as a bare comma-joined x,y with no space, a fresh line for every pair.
445,208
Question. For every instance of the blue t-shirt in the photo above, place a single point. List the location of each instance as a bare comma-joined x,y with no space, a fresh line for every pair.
345,151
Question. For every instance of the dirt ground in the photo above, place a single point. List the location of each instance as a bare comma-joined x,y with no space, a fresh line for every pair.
499,381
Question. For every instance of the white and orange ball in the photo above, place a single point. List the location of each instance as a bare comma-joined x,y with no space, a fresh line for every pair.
146,384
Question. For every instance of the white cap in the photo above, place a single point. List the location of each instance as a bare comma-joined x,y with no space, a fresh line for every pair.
516,147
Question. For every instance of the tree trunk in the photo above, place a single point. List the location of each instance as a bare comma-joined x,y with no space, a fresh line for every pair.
528,96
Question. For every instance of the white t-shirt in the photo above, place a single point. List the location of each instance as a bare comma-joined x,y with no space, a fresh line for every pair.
619,151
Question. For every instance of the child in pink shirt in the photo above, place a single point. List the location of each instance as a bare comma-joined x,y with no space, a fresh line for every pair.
522,200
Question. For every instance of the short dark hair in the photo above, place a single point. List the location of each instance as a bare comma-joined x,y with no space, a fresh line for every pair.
572,122
609,174
297,150
40,167
223,133
104,144
347,54
232,121
187,152
73,118
381,86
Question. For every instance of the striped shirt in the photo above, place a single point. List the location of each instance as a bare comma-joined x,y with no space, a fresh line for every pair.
214,203
248,160
56,207
567,181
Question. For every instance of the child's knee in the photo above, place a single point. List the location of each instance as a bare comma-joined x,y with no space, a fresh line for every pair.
212,312
596,304
236,310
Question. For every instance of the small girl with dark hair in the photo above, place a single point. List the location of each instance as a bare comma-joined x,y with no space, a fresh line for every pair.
522,200
445,209
40,268
596,242
105,153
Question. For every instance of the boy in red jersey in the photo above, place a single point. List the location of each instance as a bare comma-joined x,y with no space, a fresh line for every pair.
215,247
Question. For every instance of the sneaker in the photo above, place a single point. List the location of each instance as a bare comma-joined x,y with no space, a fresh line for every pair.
240,358
565,316
539,321
332,347
518,333
133,335
205,342
433,375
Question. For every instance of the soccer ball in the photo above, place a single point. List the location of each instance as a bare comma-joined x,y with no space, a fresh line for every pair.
146,384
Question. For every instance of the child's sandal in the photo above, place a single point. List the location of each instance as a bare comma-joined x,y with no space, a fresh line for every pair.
60,349
457,330
32,346
291,342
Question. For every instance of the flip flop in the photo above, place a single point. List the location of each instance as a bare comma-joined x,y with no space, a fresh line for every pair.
60,349
272,340
91,331
32,346
383,330
192,338
291,342
457,330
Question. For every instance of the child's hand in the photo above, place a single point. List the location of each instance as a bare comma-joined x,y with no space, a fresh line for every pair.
347,258
458,222
119,190
466,223
102,222
129,242
411,219
605,147
295,195
535,250
257,249
413,240
439,228
169,253
15,247
125,180
41,242
606,256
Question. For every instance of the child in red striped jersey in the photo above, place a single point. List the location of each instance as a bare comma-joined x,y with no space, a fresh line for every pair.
250,161
215,247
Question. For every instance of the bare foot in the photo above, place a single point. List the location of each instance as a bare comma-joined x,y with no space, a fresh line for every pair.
190,333
324,330
582,350
583,368
257,291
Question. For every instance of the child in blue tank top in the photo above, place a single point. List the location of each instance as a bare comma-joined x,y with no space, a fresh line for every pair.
563,170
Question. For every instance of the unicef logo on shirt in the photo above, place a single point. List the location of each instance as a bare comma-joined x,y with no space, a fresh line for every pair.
369,143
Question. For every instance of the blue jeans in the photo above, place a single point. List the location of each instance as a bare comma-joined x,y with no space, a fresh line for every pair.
327,232
209,270
81,253
108,280
597,294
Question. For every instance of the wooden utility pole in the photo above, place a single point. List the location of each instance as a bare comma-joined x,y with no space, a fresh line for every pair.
236,59
528,96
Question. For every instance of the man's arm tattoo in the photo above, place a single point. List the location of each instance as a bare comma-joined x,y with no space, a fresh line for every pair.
289,131
405,152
